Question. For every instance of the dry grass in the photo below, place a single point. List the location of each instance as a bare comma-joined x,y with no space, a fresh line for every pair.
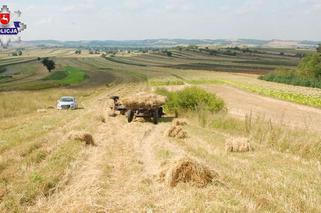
176,132
282,175
82,136
112,113
101,118
179,122
186,170
238,144
18,103
41,110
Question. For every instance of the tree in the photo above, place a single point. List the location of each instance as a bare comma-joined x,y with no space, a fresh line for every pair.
319,48
310,66
169,54
49,64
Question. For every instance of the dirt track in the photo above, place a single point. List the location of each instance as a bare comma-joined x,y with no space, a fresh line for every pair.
241,103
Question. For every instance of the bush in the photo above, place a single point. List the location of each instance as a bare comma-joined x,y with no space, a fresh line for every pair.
308,73
191,99
310,66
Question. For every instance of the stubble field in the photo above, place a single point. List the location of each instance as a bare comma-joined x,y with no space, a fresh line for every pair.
42,169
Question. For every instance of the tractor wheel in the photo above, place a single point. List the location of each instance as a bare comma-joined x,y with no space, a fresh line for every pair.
130,116
155,116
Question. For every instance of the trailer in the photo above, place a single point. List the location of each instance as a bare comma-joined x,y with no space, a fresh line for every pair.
154,114
146,105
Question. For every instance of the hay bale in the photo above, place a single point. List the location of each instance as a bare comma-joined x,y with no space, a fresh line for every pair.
186,170
238,145
179,122
144,100
82,136
176,132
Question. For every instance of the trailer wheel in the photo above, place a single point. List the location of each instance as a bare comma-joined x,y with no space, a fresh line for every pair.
130,116
160,112
155,116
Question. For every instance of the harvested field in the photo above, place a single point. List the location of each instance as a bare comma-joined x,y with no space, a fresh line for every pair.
41,170
241,103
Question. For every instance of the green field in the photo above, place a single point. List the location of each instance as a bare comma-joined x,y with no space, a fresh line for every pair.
69,76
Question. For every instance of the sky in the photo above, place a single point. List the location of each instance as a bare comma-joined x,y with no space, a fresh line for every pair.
154,19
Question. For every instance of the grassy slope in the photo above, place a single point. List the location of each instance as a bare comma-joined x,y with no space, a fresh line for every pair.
41,157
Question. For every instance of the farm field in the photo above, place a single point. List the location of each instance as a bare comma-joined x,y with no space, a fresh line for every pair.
43,170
